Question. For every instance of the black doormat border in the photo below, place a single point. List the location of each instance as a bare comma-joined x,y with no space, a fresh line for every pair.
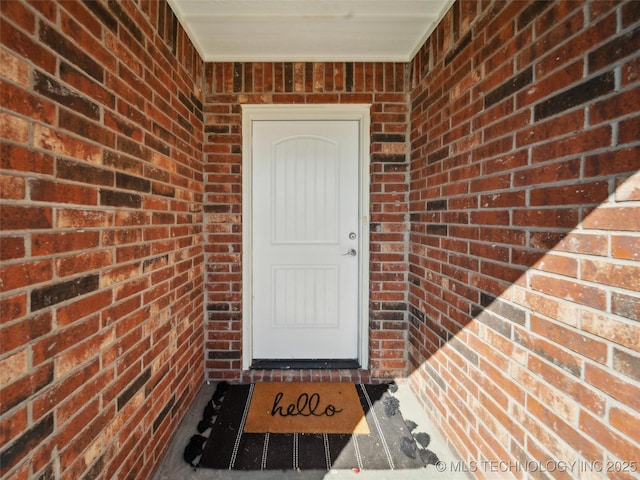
390,445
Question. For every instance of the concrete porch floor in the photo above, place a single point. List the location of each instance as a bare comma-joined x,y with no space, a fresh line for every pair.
173,467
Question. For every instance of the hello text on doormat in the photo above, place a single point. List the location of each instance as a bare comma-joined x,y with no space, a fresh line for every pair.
305,407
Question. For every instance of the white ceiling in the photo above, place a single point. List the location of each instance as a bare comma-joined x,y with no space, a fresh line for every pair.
308,30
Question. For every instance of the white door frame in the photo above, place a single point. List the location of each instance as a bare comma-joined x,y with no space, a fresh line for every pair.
251,113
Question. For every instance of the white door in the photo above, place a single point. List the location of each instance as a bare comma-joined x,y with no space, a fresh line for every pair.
305,239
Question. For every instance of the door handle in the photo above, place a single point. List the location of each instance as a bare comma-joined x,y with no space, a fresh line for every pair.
350,253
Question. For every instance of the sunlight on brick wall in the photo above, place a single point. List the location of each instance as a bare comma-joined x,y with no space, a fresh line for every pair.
525,221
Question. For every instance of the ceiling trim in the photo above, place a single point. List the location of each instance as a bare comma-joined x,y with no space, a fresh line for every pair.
371,35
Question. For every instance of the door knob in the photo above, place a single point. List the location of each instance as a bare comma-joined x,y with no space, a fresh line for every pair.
350,253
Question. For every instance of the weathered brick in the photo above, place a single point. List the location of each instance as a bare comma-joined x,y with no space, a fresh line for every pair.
585,397
130,391
615,161
55,192
64,105
569,434
26,46
578,95
12,248
21,275
614,107
625,305
509,87
14,128
626,363
46,296
625,422
113,198
63,144
614,50
609,439
20,15
28,441
624,334
577,194
623,276
85,128
51,88
612,385
15,157
67,48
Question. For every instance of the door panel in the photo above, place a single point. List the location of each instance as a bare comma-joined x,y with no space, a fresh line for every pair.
305,218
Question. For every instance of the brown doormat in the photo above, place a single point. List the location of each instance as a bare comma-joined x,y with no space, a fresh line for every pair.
305,407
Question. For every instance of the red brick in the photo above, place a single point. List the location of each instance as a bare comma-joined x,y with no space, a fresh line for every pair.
26,104
561,265
586,141
613,218
51,192
84,262
585,243
69,314
570,339
20,15
626,334
626,363
578,194
619,275
16,157
618,106
614,386
25,274
70,218
583,294
13,307
570,435
13,128
62,144
566,218
12,248
62,340
564,312
550,352
584,396
20,334
610,440
610,162
20,391
451,277
628,188
25,46
626,422
13,424
48,243
625,305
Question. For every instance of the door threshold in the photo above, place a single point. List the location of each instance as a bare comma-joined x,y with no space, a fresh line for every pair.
312,364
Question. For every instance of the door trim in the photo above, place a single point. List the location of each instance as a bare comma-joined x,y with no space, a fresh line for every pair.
251,113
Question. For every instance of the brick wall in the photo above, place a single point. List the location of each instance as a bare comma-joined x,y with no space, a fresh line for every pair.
524,282
101,243
227,87
519,279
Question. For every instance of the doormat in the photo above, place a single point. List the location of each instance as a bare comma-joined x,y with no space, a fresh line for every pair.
389,445
305,407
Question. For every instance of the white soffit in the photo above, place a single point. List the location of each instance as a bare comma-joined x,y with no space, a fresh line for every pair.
308,30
